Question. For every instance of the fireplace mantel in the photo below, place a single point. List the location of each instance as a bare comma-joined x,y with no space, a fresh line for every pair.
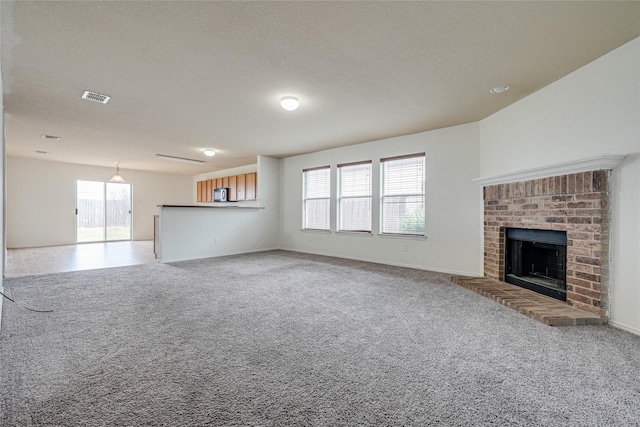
604,162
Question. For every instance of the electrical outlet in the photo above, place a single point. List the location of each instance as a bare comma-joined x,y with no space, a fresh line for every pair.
404,247
217,240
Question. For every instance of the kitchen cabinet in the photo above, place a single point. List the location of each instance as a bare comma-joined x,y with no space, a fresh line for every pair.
250,186
209,196
233,193
240,187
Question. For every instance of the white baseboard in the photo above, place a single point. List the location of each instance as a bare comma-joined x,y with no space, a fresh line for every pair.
1,303
395,264
374,261
162,261
624,327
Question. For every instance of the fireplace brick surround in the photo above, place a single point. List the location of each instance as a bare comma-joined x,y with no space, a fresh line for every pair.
577,203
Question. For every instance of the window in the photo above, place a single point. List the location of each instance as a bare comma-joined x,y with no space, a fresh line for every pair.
354,197
316,198
403,201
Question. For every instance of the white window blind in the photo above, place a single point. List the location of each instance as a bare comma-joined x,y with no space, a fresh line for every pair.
316,198
354,200
403,195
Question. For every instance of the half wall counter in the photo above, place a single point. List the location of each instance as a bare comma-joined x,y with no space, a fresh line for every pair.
187,232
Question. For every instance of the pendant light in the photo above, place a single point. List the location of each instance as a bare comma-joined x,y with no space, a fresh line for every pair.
117,177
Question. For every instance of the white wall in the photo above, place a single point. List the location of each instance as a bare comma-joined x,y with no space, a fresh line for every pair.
193,233
593,111
453,239
41,199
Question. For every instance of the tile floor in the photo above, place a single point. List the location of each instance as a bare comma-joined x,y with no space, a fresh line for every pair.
85,256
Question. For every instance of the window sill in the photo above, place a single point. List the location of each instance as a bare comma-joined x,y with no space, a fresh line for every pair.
355,233
312,230
402,236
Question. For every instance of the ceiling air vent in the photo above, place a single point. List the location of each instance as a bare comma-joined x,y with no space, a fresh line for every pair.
95,97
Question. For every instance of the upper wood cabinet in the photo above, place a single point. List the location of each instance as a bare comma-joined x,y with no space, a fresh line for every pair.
233,193
250,186
241,187
209,197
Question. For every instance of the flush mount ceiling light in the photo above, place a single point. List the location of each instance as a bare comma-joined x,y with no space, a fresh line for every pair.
209,153
95,97
179,159
290,103
117,177
53,137
499,89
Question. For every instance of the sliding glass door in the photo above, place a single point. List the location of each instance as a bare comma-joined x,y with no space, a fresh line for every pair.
103,211
118,211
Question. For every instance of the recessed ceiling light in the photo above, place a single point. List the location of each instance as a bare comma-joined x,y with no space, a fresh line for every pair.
95,97
499,89
290,103
209,153
179,159
45,136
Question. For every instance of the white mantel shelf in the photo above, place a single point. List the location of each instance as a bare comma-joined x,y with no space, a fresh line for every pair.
604,162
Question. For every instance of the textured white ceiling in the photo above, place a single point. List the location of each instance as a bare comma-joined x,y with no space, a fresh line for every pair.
185,76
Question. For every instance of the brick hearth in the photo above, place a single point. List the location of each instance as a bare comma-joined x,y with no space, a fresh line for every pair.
544,309
576,203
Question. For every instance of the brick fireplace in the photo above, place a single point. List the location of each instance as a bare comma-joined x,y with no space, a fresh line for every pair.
577,203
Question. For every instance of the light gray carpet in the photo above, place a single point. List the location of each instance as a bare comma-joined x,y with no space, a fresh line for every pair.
280,338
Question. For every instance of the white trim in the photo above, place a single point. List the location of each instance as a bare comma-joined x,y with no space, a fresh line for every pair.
604,162
625,327
395,264
354,233
402,236
315,230
217,255
1,304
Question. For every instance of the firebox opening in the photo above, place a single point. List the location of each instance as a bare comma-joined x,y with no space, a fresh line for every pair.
537,260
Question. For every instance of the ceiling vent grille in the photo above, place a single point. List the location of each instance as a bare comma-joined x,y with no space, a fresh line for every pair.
95,97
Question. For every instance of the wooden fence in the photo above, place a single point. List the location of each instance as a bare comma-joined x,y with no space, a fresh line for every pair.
91,213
